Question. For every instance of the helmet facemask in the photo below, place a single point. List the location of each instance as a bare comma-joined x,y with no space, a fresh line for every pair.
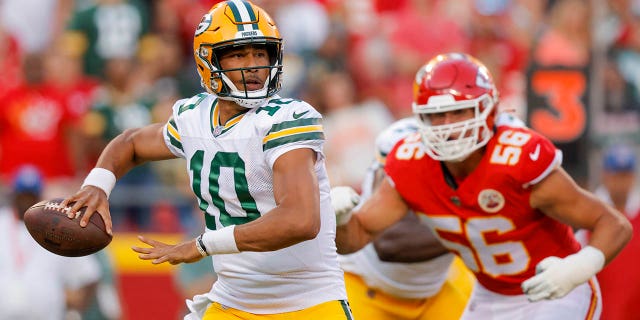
225,89
231,25
455,141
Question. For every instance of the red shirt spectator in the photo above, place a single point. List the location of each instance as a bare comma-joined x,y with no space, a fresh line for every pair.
34,123
619,280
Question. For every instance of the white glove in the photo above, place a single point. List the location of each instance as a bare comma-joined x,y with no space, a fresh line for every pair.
555,277
343,200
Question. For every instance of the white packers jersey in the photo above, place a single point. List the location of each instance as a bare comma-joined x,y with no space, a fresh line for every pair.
230,169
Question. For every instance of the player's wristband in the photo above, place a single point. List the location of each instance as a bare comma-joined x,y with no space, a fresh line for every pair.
220,241
200,246
101,178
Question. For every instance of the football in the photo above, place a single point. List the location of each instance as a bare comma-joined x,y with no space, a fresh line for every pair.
49,225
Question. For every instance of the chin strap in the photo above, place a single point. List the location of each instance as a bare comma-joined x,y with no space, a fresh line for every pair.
249,103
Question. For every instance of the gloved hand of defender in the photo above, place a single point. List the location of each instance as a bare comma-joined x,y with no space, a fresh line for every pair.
343,200
555,277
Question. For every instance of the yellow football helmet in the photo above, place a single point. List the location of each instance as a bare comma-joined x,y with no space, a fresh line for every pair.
230,24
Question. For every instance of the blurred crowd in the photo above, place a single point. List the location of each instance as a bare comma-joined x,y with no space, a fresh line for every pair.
77,73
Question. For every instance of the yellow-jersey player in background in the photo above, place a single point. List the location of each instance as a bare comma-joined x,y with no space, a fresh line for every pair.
405,273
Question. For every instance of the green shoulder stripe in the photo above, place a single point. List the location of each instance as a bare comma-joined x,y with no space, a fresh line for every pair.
305,136
294,123
188,106
172,133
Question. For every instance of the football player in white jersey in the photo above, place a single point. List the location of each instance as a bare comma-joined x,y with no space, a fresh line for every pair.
256,166
404,273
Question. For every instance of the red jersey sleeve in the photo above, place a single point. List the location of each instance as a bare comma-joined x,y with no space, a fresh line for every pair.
399,164
539,157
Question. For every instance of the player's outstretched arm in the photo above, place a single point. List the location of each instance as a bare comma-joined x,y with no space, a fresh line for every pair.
296,217
384,208
130,148
561,198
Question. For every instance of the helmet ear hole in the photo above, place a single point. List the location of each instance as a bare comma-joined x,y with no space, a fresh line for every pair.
216,84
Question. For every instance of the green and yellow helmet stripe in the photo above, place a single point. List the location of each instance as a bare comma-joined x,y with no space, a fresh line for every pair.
243,14
236,23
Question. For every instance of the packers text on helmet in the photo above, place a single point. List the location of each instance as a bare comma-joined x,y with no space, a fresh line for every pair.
232,24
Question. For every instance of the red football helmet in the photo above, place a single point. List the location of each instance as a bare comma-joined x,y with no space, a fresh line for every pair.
449,82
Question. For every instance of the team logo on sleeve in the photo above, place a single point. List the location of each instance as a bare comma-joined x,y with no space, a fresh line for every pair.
490,200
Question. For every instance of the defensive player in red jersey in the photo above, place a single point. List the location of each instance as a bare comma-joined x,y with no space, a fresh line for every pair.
494,193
